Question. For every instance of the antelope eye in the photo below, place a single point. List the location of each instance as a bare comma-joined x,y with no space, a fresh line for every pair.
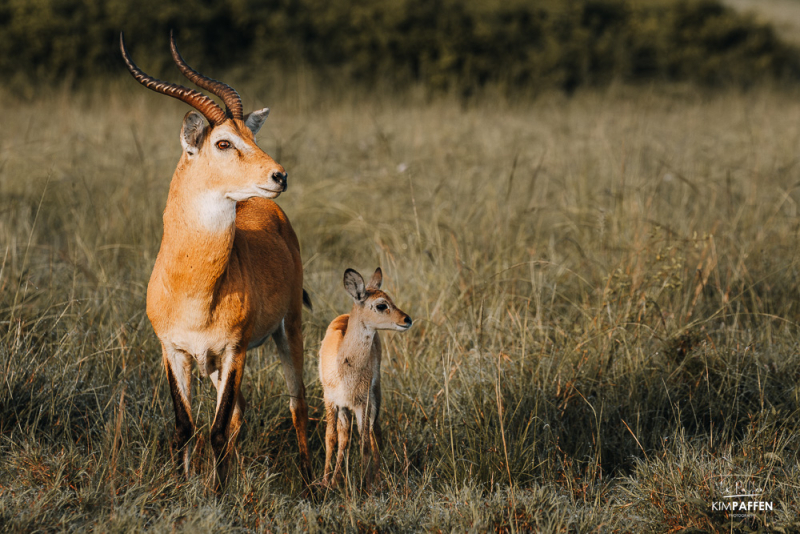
382,307
223,144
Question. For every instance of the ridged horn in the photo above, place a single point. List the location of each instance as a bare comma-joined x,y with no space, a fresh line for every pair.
233,102
196,99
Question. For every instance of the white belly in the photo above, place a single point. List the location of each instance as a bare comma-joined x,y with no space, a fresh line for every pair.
350,392
206,347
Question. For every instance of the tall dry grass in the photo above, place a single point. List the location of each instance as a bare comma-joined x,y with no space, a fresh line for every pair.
604,291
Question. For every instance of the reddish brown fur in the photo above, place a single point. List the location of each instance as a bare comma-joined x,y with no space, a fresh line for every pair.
217,288
228,273
349,371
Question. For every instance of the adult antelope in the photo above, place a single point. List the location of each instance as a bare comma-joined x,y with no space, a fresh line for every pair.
228,274
350,371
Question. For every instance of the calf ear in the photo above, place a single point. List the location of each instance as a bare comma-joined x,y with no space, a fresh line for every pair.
192,132
377,278
255,120
354,284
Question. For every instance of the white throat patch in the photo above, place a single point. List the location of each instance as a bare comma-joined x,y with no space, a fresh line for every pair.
214,211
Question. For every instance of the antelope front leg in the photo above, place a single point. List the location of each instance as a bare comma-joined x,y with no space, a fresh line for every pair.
228,393
376,427
331,415
179,375
236,422
372,428
237,418
374,479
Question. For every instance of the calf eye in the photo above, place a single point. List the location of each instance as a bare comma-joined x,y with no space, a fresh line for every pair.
223,144
382,307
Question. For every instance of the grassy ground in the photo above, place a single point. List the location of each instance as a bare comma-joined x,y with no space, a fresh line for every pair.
605,294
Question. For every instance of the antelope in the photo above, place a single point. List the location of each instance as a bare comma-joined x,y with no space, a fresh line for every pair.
228,274
349,370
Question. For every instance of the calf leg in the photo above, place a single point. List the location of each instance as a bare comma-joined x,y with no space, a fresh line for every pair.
331,415
373,429
343,427
370,435
374,475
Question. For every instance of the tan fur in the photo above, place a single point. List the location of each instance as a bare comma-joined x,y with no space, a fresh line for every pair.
349,370
228,275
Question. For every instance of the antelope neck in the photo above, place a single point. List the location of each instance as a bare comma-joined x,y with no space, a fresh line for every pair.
199,229
357,342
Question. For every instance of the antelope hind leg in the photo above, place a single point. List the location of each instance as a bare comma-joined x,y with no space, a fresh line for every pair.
289,340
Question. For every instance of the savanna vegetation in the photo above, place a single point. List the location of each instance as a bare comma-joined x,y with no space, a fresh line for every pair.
604,285
443,44
604,288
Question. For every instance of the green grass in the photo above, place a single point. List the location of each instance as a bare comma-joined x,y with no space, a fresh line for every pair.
604,288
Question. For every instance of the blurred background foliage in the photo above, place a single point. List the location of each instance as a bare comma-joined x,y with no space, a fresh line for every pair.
441,44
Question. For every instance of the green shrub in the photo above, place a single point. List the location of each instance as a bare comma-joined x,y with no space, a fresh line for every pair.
443,44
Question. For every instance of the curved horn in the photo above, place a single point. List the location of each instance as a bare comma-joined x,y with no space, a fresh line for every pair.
196,99
233,102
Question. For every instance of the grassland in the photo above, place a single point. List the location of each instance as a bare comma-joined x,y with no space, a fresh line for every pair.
604,287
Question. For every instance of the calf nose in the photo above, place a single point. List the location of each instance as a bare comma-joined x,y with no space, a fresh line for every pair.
280,178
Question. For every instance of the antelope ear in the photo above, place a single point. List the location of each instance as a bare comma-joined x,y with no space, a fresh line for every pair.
354,284
377,278
255,120
192,132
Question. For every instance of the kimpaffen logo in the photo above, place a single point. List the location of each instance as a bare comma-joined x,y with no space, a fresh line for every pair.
741,499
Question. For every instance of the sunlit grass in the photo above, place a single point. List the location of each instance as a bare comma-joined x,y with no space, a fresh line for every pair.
604,290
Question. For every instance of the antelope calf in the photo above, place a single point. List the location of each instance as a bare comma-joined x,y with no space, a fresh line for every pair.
350,371
228,274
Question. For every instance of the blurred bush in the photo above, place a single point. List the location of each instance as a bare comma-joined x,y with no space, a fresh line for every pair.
443,44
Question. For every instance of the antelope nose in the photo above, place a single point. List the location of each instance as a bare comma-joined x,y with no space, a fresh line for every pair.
408,321
280,178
